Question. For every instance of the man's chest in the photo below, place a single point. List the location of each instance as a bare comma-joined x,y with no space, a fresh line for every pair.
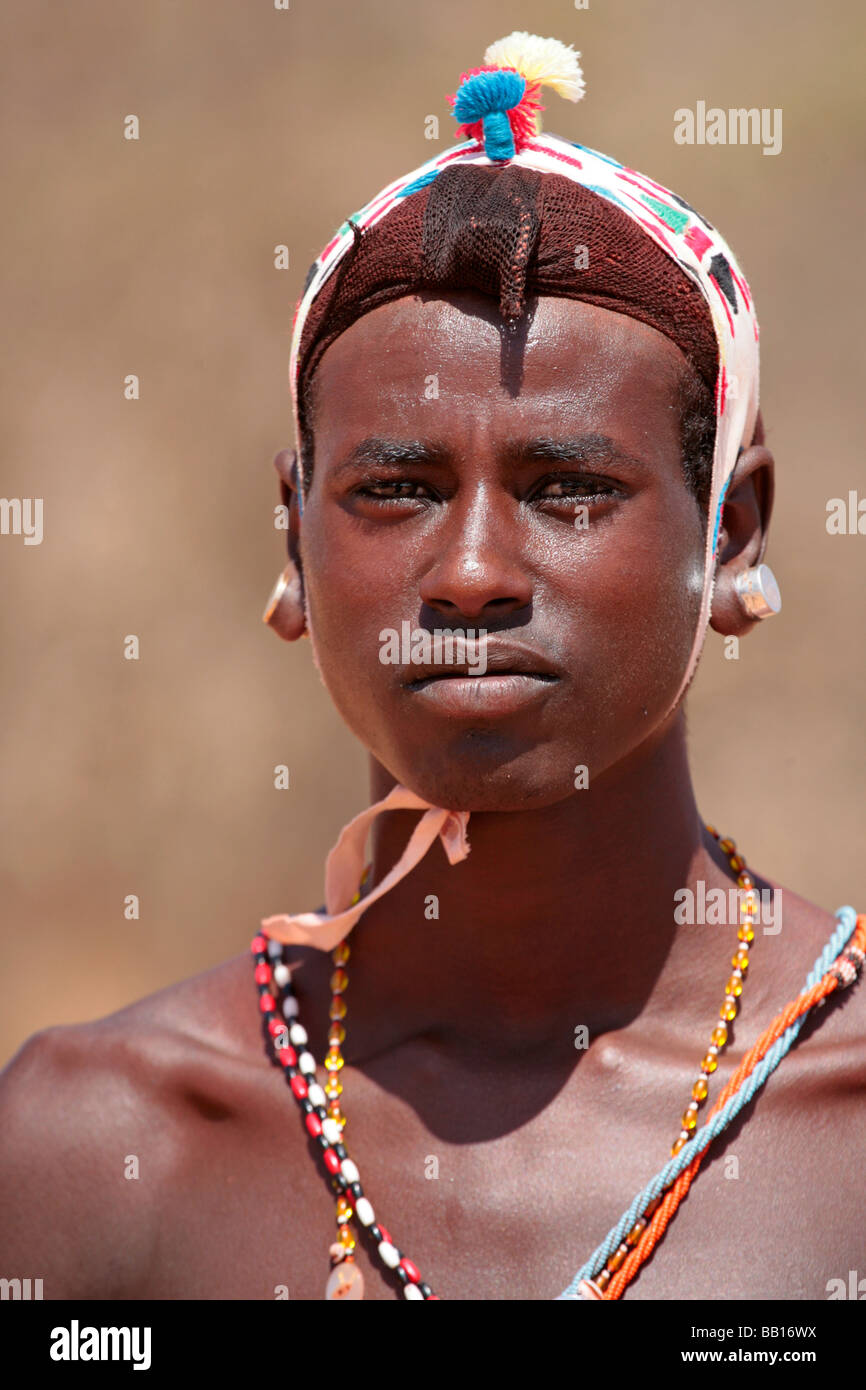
510,1212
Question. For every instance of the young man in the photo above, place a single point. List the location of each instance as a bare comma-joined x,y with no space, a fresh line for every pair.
492,440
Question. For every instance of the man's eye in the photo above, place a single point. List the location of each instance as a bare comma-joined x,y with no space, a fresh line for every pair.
578,487
390,490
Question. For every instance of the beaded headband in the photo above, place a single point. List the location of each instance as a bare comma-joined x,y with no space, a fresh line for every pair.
498,108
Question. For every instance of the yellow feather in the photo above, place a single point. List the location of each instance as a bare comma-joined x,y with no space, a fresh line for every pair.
548,61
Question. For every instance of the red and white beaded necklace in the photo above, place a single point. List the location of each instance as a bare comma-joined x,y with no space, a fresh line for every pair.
325,1121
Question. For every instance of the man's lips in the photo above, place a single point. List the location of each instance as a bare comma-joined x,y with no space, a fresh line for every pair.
515,677
497,658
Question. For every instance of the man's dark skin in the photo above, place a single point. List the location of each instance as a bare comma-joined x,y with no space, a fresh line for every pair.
461,1030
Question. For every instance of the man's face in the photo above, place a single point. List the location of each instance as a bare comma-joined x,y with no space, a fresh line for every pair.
537,494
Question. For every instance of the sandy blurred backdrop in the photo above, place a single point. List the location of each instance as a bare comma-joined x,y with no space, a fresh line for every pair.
155,257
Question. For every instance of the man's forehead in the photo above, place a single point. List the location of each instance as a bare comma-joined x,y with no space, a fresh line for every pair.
428,347
375,405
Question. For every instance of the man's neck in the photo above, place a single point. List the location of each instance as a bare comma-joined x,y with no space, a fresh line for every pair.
560,917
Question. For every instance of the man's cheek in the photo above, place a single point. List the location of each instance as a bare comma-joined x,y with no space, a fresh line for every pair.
350,645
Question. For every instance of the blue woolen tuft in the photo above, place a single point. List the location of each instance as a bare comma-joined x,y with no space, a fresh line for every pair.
478,96
488,97
498,139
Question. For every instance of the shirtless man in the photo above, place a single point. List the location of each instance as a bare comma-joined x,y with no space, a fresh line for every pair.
496,1150
460,1031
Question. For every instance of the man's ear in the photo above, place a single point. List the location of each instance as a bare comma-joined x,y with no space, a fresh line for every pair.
742,538
286,465
285,608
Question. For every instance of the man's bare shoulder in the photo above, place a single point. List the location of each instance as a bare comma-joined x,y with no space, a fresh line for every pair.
208,1019
97,1124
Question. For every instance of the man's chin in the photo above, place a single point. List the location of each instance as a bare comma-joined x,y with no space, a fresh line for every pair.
488,783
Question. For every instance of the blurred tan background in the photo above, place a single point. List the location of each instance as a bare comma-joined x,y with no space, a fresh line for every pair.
156,257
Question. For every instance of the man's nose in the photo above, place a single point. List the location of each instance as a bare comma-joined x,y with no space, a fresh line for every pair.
480,568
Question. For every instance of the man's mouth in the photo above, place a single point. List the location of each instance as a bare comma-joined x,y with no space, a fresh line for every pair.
490,675
505,679
489,657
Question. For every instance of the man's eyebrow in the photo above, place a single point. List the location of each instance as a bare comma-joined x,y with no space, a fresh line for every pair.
379,449
585,448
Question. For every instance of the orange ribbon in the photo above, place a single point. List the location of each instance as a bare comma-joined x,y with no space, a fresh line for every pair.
345,865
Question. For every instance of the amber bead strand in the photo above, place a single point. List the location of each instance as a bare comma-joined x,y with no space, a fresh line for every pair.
733,989
719,1040
334,1062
